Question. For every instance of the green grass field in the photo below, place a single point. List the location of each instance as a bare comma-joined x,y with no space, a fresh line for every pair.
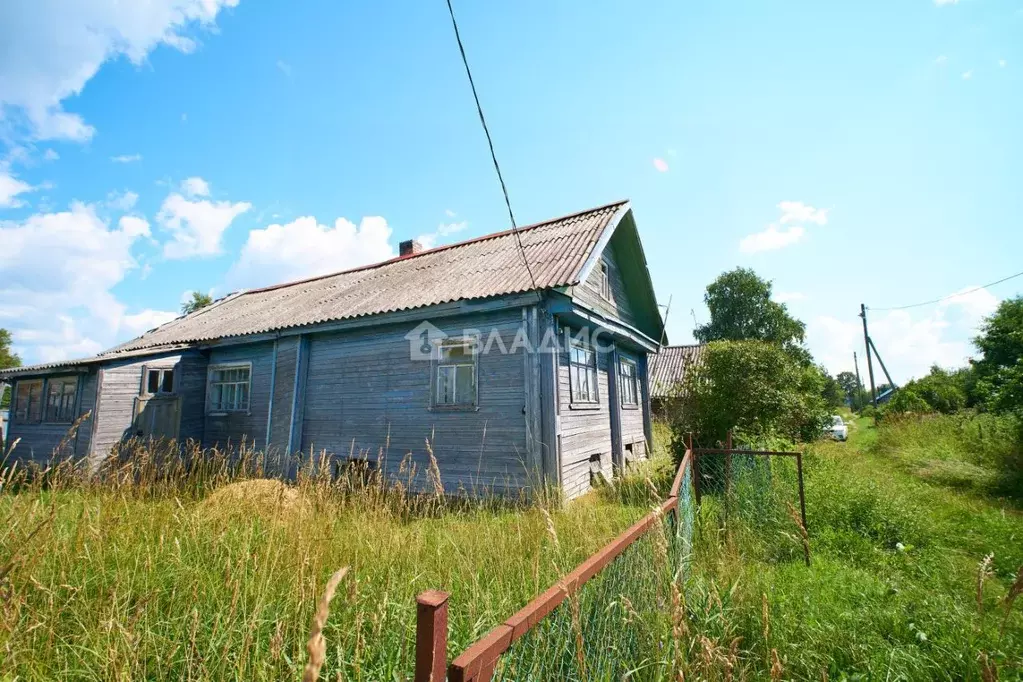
892,593
123,584
165,579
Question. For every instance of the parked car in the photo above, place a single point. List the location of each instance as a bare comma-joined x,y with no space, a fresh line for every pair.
838,430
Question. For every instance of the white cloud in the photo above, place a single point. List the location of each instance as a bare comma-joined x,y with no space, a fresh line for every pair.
122,201
432,239
798,212
967,75
449,213
304,248
661,165
10,188
284,67
196,226
50,155
941,60
65,309
141,322
195,187
910,341
775,237
771,239
126,158
52,49
1002,63
789,296
941,3
134,226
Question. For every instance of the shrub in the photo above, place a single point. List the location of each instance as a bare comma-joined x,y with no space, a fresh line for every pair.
753,388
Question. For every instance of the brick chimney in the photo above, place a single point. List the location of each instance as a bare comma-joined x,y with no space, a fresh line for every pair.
409,247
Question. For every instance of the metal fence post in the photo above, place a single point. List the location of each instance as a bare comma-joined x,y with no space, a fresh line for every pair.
431,636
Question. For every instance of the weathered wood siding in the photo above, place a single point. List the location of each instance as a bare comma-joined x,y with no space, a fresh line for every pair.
366,396
228,430
39,442
632,417
588,293
284,391
585,430
121,384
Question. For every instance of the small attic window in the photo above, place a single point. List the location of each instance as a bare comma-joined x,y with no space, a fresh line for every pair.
605,282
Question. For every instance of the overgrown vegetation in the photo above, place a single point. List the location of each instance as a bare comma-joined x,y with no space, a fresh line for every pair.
8,358
756,377
912,574
753,388
163,570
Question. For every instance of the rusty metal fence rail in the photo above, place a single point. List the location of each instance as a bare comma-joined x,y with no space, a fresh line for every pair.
554,646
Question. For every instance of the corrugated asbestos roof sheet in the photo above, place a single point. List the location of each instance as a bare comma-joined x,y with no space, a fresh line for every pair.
479,268
668,368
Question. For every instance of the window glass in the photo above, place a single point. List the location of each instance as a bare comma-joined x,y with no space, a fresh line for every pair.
229,389
630,392
167,381
60,400
583,374
28,401
456,374
153,381
605,282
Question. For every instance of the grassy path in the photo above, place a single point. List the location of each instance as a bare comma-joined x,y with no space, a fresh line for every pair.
893,590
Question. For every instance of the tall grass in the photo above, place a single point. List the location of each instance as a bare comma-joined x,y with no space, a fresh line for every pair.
902,583
166,566
983,451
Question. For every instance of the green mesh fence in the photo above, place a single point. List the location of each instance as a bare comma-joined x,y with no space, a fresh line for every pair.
753,500
619,624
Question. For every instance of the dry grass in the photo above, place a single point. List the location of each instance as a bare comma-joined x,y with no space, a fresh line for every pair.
164,565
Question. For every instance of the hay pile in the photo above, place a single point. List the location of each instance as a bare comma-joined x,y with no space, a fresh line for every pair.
266,498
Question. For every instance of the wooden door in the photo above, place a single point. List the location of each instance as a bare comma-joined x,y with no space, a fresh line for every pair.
157,417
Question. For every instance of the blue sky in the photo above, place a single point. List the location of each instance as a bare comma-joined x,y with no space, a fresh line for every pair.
850,152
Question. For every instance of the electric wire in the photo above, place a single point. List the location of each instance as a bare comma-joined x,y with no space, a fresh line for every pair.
490,143
945,298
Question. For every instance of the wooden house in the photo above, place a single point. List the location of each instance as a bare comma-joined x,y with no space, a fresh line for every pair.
521,357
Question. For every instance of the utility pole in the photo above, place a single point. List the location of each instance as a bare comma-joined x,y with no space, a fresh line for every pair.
870,366
859,384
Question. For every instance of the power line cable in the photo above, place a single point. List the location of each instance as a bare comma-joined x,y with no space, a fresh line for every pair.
945,298
490,143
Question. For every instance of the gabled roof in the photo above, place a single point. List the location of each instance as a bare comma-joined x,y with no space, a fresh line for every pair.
669,367
557,250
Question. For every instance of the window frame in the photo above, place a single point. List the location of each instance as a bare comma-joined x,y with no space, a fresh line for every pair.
16,402
631,380
72,408
220,367
592,400
162,372
605,280
436,363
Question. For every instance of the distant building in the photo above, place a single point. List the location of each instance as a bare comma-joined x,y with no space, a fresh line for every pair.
521,356
668,370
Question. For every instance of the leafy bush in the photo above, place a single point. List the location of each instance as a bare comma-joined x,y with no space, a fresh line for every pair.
753,388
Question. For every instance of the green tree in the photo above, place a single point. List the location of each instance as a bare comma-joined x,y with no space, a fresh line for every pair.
199,300
8,358
741,309
999,370
942,390
752,388
833,393
906,400
848,382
